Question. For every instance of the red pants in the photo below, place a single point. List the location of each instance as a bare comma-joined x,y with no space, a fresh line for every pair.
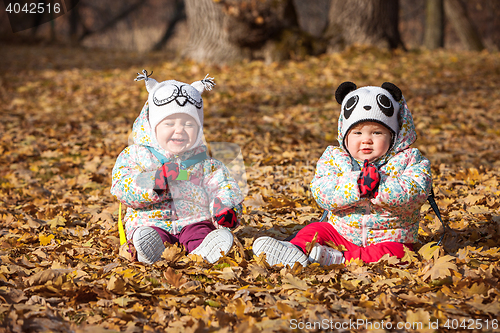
326,232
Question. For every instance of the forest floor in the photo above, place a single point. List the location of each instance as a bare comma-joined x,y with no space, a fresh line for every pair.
67,114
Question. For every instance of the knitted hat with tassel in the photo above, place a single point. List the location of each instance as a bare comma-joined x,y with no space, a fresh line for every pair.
171,97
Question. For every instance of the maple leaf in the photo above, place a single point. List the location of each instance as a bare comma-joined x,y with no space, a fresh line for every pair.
173,252
45,240
175,279
441,269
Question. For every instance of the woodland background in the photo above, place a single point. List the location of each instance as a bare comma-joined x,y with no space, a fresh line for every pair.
68,104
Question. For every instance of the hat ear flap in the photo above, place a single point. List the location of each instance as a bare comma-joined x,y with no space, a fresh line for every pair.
343,90
150,83
393,90
206,84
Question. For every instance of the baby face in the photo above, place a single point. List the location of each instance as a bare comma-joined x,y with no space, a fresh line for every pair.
368,141
177,133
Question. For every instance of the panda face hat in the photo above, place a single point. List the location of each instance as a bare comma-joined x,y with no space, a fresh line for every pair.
171,97
377,104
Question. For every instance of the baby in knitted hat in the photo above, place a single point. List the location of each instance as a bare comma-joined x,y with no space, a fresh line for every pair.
371,187
174,191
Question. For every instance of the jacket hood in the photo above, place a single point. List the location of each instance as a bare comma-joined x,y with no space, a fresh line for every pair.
142,134
404,139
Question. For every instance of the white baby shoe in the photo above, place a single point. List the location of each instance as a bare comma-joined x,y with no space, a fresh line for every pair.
148,244
217,241
279,251
325,255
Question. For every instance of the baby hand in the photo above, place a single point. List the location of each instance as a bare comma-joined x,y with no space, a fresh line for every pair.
167,173
224,215
368,180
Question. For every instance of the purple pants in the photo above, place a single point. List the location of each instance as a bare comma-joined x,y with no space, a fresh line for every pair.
190,236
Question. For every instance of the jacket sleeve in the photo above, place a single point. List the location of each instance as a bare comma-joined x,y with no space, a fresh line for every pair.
405,187
219,183
131,184
335,184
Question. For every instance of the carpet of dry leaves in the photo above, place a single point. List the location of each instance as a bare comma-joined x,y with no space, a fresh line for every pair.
67,114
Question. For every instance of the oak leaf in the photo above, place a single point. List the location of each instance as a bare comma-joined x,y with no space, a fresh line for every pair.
256,270
256,201
419,319
472,199
123,301
116,284
44,276
56,222
441,269
479,209
292,282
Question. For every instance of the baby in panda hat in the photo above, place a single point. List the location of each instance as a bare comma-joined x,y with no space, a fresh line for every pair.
371,186
174,191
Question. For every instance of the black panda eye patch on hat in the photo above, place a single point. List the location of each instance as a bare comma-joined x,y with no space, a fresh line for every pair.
350,105
385,105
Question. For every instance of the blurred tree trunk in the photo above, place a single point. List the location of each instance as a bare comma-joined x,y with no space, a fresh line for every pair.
227,30
74,21
312,15
371,22
179,15
457,14
112,21
434,24
208,33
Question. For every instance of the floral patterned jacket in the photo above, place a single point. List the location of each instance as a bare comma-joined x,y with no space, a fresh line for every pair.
186,202
404,186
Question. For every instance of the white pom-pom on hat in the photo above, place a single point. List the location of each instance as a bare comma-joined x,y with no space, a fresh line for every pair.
150,83
206,84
